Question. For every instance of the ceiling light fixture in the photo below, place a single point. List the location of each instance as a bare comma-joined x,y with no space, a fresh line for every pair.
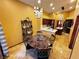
38,12
51,4
39,1
53,8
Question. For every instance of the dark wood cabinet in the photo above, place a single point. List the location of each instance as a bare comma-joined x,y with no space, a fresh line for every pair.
26,29
59,31
49,22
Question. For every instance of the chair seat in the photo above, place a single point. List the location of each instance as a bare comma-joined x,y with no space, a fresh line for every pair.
43,53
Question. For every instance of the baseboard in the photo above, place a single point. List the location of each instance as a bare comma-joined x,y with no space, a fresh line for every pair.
14,45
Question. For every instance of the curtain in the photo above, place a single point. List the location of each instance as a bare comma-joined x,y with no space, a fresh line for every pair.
3,42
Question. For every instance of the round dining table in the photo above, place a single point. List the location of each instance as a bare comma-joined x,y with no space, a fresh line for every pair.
39,42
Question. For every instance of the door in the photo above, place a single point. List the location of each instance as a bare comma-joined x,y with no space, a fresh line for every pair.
74,33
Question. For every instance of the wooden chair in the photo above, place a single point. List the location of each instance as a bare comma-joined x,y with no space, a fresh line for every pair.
52,39
26,43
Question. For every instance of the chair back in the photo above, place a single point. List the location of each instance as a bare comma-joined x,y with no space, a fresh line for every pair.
43,53
52,38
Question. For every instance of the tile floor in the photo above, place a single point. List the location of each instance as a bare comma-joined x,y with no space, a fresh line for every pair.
59,50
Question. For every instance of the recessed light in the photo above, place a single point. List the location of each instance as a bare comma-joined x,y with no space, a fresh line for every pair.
39,1
37,7
53,8
51,4
70,8
34,7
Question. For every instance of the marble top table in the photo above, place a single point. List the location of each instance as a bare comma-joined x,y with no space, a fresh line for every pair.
39,42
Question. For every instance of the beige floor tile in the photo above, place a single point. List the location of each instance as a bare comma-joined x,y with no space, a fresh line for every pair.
59,50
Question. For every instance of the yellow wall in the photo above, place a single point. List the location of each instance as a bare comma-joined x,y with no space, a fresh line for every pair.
45,15
71,14
66,15
11,14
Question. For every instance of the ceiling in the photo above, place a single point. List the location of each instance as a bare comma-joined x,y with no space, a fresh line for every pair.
57,4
